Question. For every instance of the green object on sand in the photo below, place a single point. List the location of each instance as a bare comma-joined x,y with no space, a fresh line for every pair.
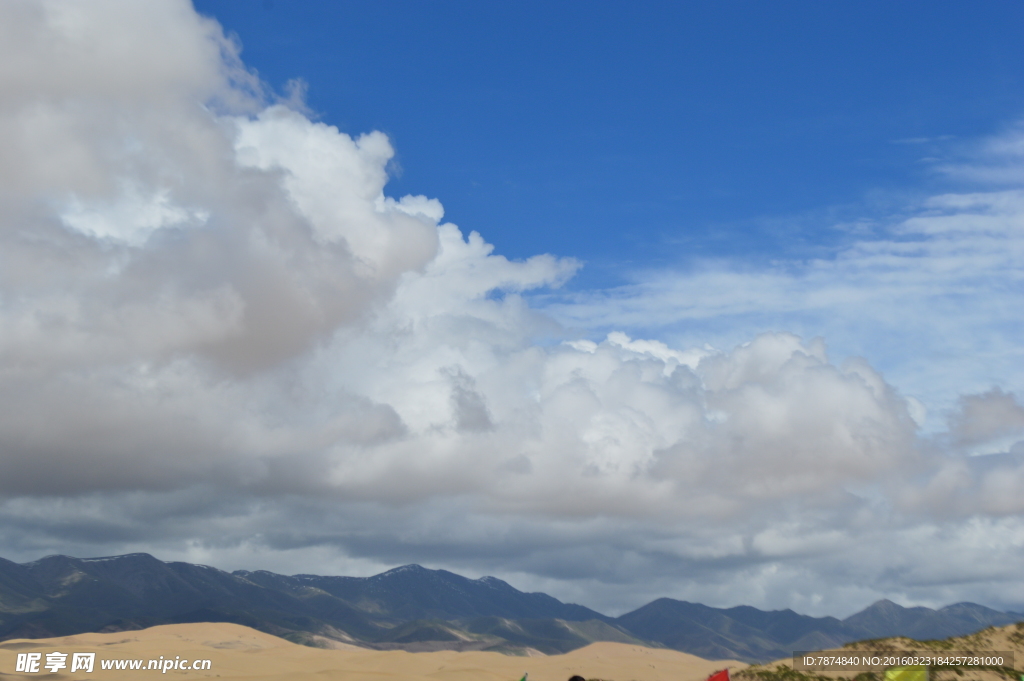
914,673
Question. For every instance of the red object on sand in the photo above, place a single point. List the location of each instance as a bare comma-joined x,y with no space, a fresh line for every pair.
720,676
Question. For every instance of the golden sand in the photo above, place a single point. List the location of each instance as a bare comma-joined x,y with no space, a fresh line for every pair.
238,653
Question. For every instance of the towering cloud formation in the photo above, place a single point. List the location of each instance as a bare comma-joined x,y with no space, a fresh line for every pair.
220,337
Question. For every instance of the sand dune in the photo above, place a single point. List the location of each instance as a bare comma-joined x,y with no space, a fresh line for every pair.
240,653
1007,639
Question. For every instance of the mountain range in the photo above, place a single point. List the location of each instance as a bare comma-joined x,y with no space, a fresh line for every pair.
414,608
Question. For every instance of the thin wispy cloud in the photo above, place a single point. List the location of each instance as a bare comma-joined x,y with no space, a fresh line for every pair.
935,285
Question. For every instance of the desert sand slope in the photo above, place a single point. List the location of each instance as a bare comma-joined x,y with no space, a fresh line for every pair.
994,639
240,653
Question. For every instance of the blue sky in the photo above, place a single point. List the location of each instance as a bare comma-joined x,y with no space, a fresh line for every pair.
637,135
613,301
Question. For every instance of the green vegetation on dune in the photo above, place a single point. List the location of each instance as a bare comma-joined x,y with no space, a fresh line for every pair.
989,640
783,672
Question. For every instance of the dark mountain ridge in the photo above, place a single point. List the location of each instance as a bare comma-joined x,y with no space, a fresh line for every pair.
415,608
753,635
412,592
